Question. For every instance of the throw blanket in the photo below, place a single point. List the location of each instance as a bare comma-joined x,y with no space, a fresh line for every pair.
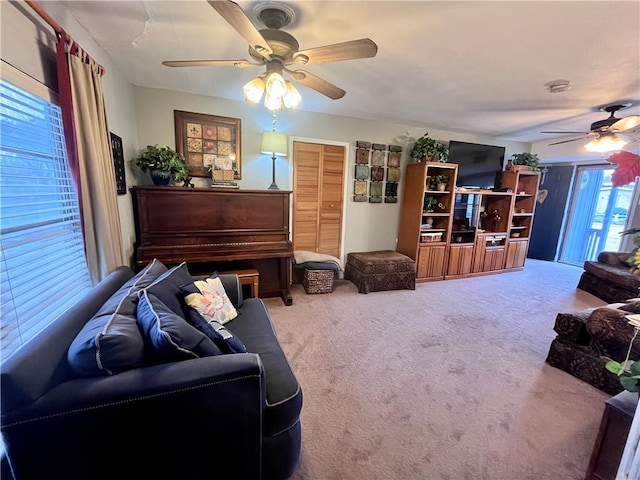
302,256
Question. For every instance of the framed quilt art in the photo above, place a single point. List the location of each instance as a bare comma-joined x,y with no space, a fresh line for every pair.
208,142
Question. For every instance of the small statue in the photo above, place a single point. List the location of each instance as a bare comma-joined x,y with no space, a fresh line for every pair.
187,183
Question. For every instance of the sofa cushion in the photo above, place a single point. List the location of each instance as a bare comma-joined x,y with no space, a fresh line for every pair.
171,337
111,341
209,298
222,337
284,396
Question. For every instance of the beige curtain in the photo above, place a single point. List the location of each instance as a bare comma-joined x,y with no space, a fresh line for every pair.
102,232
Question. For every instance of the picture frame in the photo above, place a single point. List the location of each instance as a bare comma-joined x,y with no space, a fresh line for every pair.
118,163
208,142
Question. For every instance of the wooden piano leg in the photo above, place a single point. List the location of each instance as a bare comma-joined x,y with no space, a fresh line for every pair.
285,292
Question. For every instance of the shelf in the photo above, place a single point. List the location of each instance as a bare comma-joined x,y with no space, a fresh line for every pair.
435,214
522,214
513,227
524,194
463,231
431,230
438,192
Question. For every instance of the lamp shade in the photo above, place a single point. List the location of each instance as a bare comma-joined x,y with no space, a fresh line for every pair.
274,143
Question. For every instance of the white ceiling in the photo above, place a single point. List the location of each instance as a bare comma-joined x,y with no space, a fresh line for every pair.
470,66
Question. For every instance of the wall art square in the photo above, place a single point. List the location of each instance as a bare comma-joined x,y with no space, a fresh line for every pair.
362,156
375,189
362,172
377,174
378,157
360,187
393,174
394,159
206,140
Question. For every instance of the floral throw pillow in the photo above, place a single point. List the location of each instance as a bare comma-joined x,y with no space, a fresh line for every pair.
209,298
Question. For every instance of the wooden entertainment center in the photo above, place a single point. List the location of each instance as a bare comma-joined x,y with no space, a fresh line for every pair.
470,231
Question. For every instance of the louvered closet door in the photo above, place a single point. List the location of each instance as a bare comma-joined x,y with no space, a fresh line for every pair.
318,180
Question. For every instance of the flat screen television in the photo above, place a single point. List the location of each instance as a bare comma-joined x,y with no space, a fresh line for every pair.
477,164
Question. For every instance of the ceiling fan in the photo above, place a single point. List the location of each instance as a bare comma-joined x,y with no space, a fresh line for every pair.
609,134
278,50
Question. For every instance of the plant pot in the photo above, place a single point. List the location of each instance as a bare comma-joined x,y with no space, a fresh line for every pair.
441,187
160,177
521,168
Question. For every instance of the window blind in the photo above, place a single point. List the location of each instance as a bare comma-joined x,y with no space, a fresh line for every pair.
43,270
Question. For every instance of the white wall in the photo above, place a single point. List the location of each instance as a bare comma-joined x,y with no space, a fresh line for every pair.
28,44
368,226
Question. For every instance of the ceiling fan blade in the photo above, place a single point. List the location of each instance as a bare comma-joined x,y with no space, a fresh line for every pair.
210,63
235,16
566,141
317,83
555,131
626,123
354,49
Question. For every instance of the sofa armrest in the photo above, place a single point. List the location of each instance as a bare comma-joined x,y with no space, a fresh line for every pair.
198,410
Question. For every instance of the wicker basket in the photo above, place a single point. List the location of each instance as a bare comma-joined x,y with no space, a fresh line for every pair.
317,281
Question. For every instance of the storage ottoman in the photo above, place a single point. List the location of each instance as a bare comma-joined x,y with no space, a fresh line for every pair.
382,270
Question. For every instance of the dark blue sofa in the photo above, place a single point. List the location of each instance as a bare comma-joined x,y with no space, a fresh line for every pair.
232,416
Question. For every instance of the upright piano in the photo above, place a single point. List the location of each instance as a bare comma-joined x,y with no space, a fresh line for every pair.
216,229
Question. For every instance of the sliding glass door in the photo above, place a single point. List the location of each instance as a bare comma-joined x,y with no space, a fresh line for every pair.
599,213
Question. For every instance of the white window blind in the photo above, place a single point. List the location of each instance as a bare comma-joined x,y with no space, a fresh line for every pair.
43,270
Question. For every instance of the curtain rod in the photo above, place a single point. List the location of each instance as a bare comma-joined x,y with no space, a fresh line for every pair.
53,24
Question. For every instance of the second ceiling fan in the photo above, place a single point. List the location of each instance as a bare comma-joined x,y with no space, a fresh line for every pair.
278,50
609,130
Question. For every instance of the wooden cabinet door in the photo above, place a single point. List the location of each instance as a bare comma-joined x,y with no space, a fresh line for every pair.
460,259
330,226
431,261
306,195
494,259
516,253
318,181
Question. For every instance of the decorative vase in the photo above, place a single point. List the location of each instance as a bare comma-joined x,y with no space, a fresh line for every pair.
160,177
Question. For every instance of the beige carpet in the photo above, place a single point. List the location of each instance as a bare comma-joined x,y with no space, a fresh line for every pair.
444,382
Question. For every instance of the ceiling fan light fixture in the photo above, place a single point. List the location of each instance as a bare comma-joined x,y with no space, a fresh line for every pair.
273,102
606,144
292,97
275,85
253,90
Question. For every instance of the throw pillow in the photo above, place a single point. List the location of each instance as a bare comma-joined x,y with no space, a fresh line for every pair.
171,337
223,338
209,298
111,341
167,288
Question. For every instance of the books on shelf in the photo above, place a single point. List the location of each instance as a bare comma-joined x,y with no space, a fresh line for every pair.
224,184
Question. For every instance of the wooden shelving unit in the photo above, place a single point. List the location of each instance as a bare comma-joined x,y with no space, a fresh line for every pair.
474,232
427,246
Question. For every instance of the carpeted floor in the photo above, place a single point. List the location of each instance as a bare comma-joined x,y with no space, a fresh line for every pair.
444,382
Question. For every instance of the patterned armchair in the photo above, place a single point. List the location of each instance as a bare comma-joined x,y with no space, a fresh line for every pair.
589,338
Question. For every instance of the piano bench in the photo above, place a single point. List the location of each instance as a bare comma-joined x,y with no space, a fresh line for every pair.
250,277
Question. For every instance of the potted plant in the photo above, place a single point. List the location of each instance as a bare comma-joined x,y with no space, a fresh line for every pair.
429,204
163,163
441,181
527,159
428,149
